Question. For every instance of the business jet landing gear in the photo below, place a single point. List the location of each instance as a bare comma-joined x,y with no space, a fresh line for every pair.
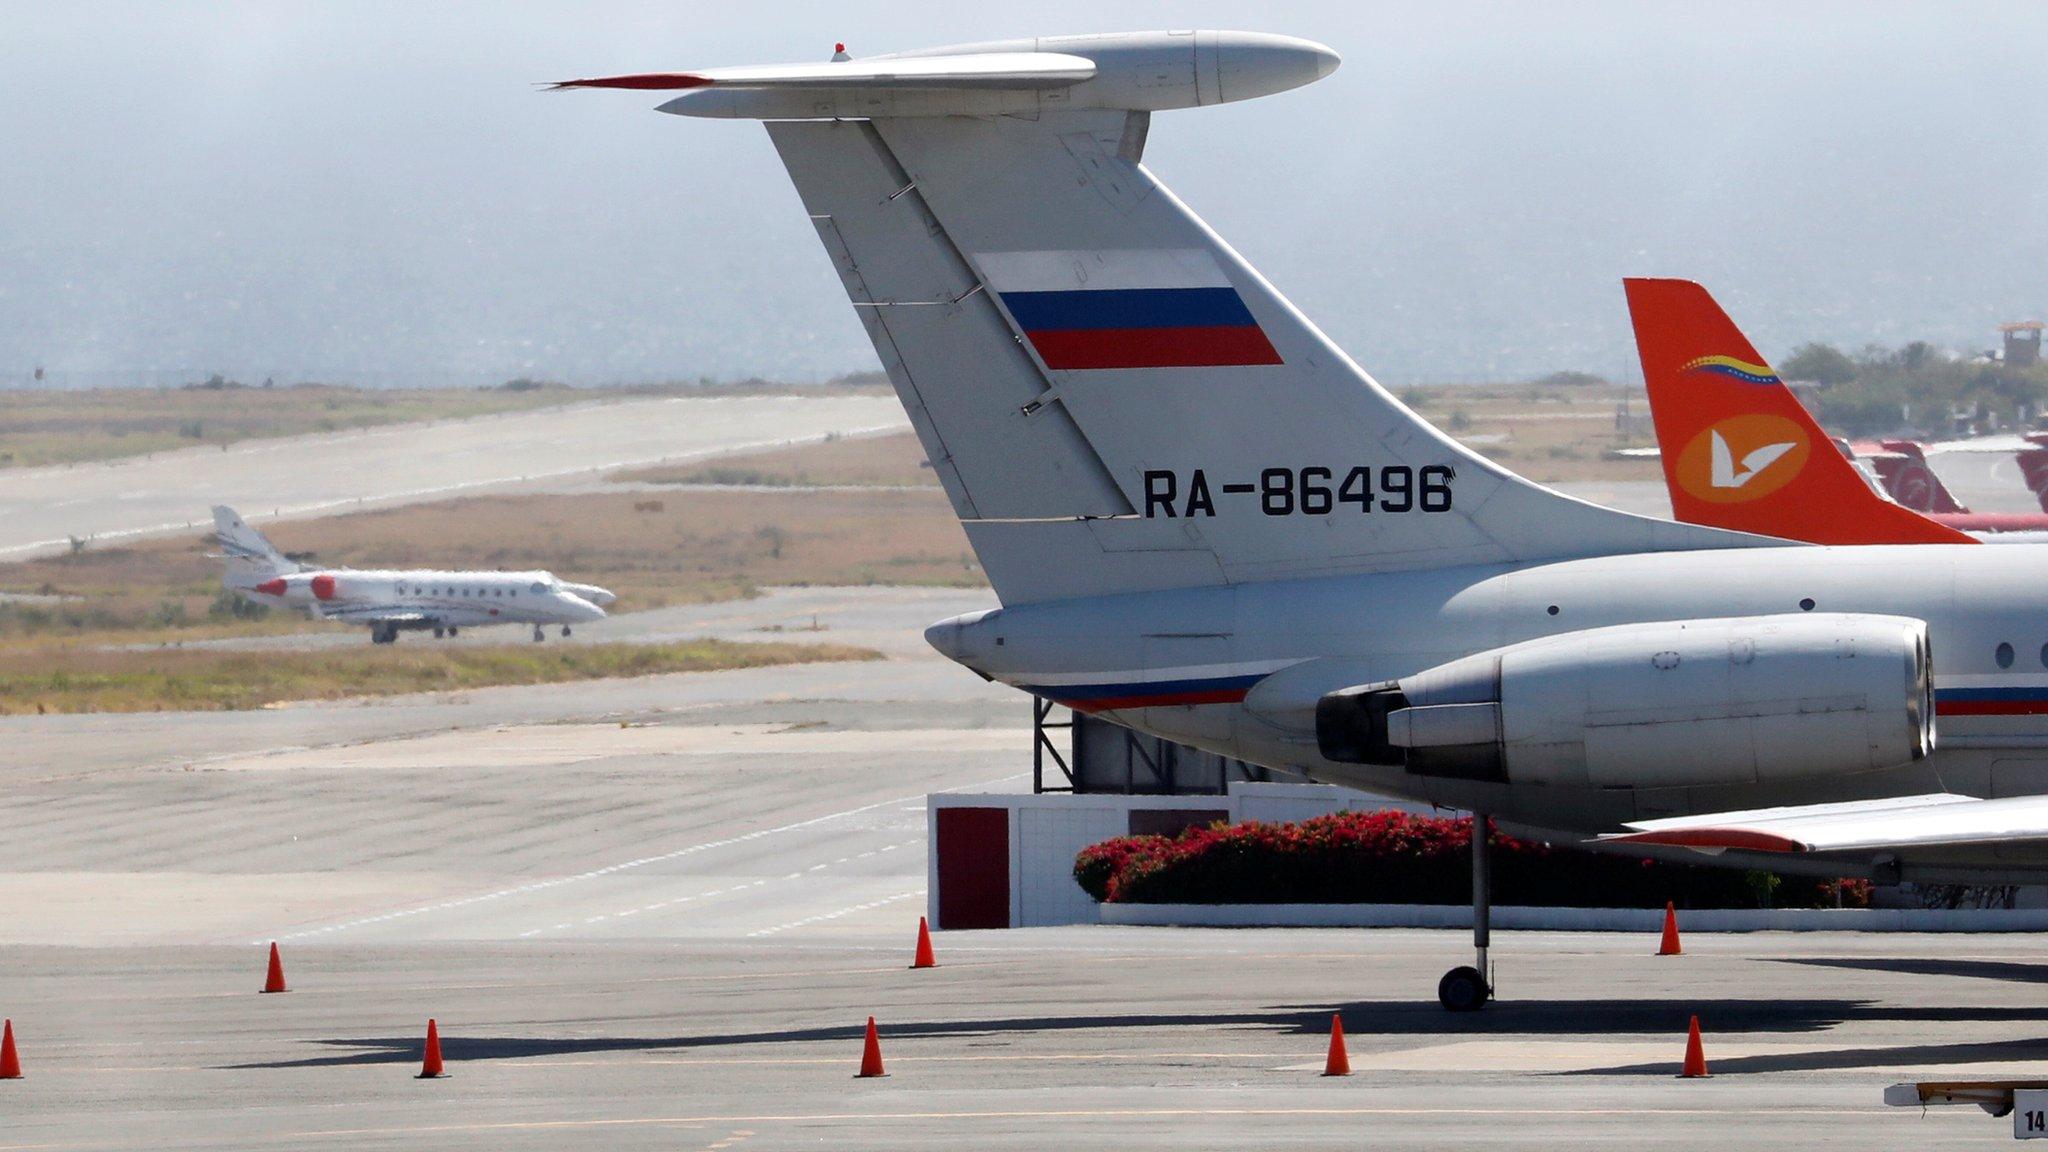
439,632
453,631
383,633
1467,989
565,629
539,634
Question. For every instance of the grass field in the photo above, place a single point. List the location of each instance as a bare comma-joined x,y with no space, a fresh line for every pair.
69,677
652,549
51,427
1550,434
864,510
896,460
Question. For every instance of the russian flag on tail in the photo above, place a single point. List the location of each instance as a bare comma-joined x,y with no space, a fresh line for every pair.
1128,308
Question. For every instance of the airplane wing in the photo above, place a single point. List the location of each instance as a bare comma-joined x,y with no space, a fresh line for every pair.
1936,820
371,614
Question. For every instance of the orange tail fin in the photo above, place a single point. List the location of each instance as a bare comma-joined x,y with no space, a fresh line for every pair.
1740,451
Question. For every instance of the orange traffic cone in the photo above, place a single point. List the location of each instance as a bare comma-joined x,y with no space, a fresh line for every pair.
871,1055
430,1066
1669,945
274,982
10,1064
924,958
1695,1056
1339,1063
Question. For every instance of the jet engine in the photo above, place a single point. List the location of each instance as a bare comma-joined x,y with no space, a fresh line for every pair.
1688,702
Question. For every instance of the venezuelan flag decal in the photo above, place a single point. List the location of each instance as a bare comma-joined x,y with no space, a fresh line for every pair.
1741,370
1128,309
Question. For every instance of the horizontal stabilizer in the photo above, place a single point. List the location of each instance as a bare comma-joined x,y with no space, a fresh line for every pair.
1935,820
1023,70
1118,72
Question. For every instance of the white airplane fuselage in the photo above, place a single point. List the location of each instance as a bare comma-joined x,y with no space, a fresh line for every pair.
439,599
1179,664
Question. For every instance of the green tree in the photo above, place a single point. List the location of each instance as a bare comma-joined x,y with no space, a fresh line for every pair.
1821,363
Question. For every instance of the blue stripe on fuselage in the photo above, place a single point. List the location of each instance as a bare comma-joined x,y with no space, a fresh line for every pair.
1129,308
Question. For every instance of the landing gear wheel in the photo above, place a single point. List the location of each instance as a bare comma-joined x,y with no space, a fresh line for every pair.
565,629
1463,990
440,632
454,631
539,634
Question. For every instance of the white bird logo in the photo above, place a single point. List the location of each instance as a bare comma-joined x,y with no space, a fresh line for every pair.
1723,473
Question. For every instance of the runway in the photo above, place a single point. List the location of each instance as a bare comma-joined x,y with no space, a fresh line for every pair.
42,508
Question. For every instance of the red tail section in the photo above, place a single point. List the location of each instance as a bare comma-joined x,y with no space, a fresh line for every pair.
1739,449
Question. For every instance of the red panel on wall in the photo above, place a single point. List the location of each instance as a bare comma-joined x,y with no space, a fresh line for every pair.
974,867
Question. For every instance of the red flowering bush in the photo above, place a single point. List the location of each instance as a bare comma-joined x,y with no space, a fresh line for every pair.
1393,857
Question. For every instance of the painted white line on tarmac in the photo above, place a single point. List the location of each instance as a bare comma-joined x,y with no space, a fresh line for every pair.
823,917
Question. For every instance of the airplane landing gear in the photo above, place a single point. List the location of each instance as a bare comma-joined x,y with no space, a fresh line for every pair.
383,634
454,631
1466,988
565,629
539,634
440,632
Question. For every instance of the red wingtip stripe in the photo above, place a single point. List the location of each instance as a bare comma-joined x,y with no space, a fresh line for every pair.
1740,839
645,81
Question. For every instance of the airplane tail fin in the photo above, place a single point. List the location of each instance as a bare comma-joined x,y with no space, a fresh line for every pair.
1902,467
1114,400
250,557
1739,449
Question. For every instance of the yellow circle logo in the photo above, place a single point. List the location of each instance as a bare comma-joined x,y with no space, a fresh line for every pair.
1742,458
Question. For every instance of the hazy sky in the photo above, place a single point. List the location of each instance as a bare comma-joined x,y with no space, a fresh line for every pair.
376,193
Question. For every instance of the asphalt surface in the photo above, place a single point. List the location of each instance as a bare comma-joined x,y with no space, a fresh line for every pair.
1985,481
41,509
657,913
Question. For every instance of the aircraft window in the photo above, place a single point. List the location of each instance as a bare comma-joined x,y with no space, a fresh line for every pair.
498,592
2003,655
1552,609
2044,655
1806,605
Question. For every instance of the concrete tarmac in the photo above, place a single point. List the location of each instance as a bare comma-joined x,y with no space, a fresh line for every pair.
42,508
657,913
1069,1038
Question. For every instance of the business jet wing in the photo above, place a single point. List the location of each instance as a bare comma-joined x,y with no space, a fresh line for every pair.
1939,820
375,614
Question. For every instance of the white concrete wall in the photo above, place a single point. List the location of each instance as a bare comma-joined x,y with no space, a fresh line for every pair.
1048,839
1048,831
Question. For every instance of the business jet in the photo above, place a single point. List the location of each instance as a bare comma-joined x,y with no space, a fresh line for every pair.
1204,521
1791,478
390,601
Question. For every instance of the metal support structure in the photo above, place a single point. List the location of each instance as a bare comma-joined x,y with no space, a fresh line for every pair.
1042,746
1482,892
